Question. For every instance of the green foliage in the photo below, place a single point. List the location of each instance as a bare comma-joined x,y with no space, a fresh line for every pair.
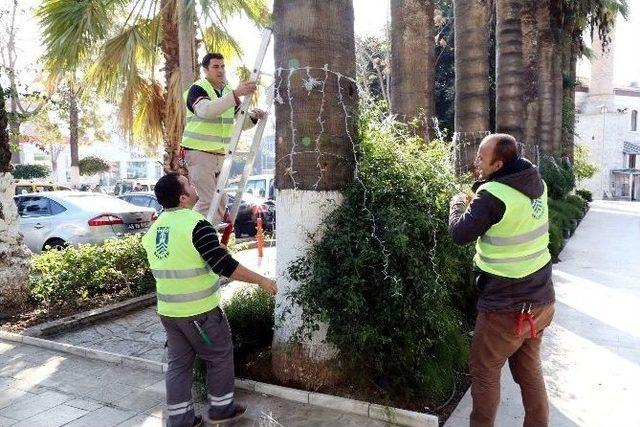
577,201
250,316
92,165
385,277
556,239
29,171
77,274
558,174
585,194
583,168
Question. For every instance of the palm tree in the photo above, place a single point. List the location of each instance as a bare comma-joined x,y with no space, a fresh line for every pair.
530,53
471,20
509,111
412,62
124,56
315,137
14,264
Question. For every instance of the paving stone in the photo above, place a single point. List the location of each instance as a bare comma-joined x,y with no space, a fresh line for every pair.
12,395
29,406
6,422
86,404
54,417
103,417
110,392
143,421
141,401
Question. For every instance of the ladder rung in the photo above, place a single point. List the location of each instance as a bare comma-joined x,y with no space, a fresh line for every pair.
232,190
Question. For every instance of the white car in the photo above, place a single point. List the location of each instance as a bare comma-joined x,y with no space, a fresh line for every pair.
58,218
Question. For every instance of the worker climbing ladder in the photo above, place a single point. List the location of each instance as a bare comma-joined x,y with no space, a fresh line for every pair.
223,187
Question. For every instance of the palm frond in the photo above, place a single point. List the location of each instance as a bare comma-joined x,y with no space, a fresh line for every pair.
218,40
256,10
71,28
148,110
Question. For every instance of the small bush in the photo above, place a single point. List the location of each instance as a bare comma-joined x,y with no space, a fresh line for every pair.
569,210
585,194
28,171
576,201
558,174
77,274
250,316
556,239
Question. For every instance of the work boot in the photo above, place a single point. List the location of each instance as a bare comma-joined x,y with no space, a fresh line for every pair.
238,412
197,421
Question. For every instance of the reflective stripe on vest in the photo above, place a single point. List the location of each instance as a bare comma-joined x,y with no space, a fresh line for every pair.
517,245
185,285
516,240
206,138
513,259
211,135
193,296
218,121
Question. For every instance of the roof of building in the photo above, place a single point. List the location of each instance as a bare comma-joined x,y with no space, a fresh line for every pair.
630,148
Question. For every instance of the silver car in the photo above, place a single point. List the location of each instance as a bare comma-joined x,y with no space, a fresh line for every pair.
57,218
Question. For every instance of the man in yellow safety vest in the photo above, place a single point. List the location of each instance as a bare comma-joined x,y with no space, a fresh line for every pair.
211,110
187,261
508,219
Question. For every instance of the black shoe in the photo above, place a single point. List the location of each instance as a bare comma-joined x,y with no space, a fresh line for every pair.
238,412
197,421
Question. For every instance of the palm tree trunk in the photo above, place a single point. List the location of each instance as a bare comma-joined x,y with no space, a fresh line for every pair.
509,67
173,119
73,135
530,56
314,152
569,96
14,262
471,19
558,106
546,87
412,62
186,42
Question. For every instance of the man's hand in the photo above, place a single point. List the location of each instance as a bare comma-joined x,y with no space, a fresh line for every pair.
462,197
269,285
245,88
258,114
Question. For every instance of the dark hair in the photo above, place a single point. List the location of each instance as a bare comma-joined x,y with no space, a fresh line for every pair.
168,190
506,148
209,56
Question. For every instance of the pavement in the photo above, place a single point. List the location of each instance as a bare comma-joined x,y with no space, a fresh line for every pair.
591,352
44,388
140,333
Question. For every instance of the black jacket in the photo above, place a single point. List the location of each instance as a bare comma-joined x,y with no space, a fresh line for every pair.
466,224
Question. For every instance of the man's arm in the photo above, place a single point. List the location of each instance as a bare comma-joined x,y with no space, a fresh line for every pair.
199,103
467,223
205,240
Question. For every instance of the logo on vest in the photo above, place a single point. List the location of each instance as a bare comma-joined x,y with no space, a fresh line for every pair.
162,242
537,207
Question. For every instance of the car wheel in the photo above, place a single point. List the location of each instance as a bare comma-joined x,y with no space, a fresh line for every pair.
54,244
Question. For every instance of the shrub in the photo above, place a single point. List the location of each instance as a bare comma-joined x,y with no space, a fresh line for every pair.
250,316
585,194
569,210
92,165
556,239
392,299
76,274
576,201
558,174
27,171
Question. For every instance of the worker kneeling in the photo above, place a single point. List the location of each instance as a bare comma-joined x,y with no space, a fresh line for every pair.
187,260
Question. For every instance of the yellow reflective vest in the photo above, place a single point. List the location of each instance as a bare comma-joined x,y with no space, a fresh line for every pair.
517,245
184,283
211,135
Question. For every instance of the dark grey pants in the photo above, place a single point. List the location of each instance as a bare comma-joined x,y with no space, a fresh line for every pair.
184,343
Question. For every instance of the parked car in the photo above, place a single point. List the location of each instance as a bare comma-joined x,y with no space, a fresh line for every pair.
260,186
251,208
59,218
133,185
24,186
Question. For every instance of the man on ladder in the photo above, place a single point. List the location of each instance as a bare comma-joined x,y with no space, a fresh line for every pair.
211,107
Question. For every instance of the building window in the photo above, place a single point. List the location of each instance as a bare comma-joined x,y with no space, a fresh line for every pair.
634,120
632,161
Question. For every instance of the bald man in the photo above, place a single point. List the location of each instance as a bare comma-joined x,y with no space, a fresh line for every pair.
507,218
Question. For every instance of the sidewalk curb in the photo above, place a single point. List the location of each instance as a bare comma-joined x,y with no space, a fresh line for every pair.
80,319
342,404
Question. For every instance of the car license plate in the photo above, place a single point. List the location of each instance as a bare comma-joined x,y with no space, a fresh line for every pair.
137,225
